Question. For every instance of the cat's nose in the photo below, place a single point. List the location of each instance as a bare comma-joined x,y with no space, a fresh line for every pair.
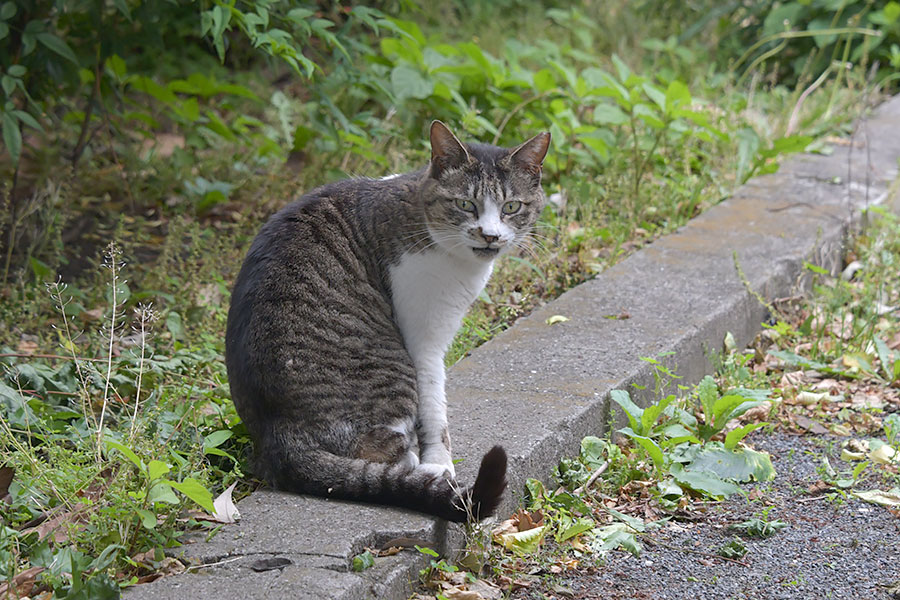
490,239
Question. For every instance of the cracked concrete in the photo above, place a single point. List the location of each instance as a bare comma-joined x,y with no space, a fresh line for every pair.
538,389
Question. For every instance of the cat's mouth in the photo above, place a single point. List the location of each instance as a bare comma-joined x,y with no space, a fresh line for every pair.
486,252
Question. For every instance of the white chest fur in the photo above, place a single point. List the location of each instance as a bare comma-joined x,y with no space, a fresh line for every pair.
431,292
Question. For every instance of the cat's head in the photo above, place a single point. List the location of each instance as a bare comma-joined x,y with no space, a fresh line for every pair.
480,200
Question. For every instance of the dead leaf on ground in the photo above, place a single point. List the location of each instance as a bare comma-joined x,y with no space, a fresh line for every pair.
817,488
513,584
26,346
6,477
810,425
21,585
757,413
226,511
456,593
889,498
95,314
162,145
894,342
57,521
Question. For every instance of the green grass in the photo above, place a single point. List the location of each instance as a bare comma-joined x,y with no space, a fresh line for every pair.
639,149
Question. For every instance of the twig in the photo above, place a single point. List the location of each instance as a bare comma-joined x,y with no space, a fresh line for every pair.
811,499
48,356
594,476
519,107
215,564
653,542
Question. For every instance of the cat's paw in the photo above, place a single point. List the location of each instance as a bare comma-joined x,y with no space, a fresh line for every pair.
437,454
438,470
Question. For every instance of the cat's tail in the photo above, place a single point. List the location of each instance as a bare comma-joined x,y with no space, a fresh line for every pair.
418,488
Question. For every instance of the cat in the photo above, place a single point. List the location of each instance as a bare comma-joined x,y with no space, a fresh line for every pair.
343,311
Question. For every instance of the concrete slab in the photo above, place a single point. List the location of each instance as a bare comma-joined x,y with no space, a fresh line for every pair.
538,389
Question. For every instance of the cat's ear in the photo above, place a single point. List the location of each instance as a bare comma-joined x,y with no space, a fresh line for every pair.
530,155
447,152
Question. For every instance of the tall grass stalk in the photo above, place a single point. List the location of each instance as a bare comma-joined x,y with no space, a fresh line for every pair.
112,263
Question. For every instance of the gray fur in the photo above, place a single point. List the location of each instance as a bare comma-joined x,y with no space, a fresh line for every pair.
316,362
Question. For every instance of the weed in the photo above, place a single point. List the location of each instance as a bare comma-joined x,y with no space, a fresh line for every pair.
734,549
760,526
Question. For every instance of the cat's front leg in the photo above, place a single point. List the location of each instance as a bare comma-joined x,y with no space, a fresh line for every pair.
433,432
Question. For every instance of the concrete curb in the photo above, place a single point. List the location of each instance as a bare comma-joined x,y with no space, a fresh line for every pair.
539,389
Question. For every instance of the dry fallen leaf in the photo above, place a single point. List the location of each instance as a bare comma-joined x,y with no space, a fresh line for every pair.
456,593
26,347
819,487
6,477
226,511
556,319
889,498
56,523
21,585
810,425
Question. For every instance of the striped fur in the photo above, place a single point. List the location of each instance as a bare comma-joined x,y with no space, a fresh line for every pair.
320,370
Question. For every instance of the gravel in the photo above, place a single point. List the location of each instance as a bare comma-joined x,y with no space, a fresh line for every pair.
844,549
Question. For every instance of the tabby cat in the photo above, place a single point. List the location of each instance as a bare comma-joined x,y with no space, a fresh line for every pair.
342,313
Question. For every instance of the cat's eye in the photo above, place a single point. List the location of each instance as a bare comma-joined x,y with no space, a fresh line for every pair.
466,205
511,207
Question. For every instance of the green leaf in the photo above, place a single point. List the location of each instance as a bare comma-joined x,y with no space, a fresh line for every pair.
730,407
8,84
677,95
162,492
27,119
57,45
736,435
787,145
738,465
363,561
194,490
123,8
174,325
156,469
217,438
592,449
748,147
653,450
116,66
633,522
617,535
536,492
708,392
7,11
148,519
656,94
408,82
652,413
523,543
12,137
41,270
815,268
884,357
580,526
648,115
704,482
621,68
632,411
427,551
128,452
